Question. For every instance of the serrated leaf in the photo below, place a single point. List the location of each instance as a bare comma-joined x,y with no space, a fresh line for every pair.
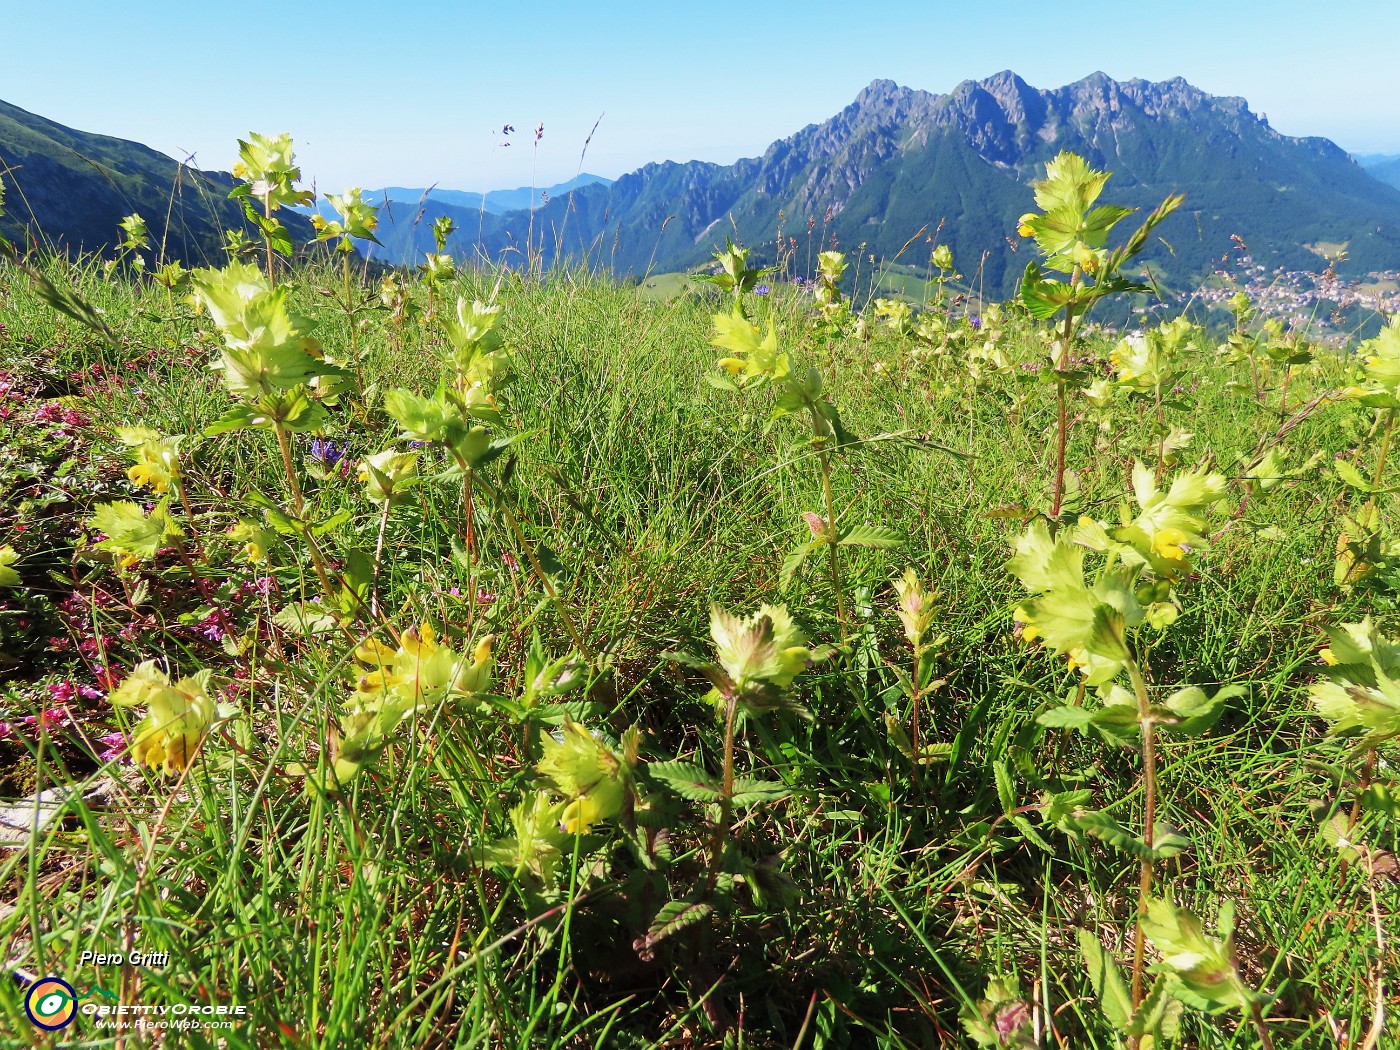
1066,716
748,792
877,536
305,619
687,780
238,417
1350,475
1114,1001
673,917
1006,789
1108,831
794,561
1193,713
332,523
1380,798
1159,1015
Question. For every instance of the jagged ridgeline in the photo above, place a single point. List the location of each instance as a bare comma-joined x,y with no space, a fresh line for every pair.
69,189
894,162
898,159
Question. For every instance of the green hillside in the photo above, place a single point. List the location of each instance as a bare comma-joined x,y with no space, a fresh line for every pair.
70,189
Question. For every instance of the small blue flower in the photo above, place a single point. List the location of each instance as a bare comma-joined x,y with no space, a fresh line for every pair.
974,321
762,289
327,452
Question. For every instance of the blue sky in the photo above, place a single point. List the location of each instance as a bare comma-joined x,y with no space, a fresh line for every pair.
412,93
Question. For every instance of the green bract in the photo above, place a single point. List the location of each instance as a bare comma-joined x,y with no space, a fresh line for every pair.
1071,233
268,167
757,356
1147,362
8,576
387,474
760,655
477,355
1085,623
586,772
538,844
131,533
1203,966
1381,359
1361,694
1169,525
178,715
137,236
358,218
267,347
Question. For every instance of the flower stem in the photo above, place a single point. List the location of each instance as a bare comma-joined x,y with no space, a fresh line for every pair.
726,799
1062,412
1149,783
1161,437
820,432
267,241
179,484
284,443
350,319
1257,1015
570,626
379,558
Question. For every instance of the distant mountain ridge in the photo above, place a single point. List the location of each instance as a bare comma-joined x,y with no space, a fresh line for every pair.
899,159
70,188
495,202
406,214
885,176
1385,167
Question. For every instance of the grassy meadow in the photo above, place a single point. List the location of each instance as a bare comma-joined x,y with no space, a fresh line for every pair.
628,820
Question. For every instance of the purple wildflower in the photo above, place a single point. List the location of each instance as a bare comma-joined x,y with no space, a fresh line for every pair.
327,453
974,321
51,719
762,289
115,746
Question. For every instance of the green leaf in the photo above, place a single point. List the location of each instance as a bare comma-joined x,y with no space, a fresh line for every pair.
687,780
1067,716
794,561
130,531
1044,299
673,917
1006,789
1193,713
1112,994
1379,798
1351,476
1108,831
877,536
305,619
748,791
357,578
1159,1015
8,576
237,417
